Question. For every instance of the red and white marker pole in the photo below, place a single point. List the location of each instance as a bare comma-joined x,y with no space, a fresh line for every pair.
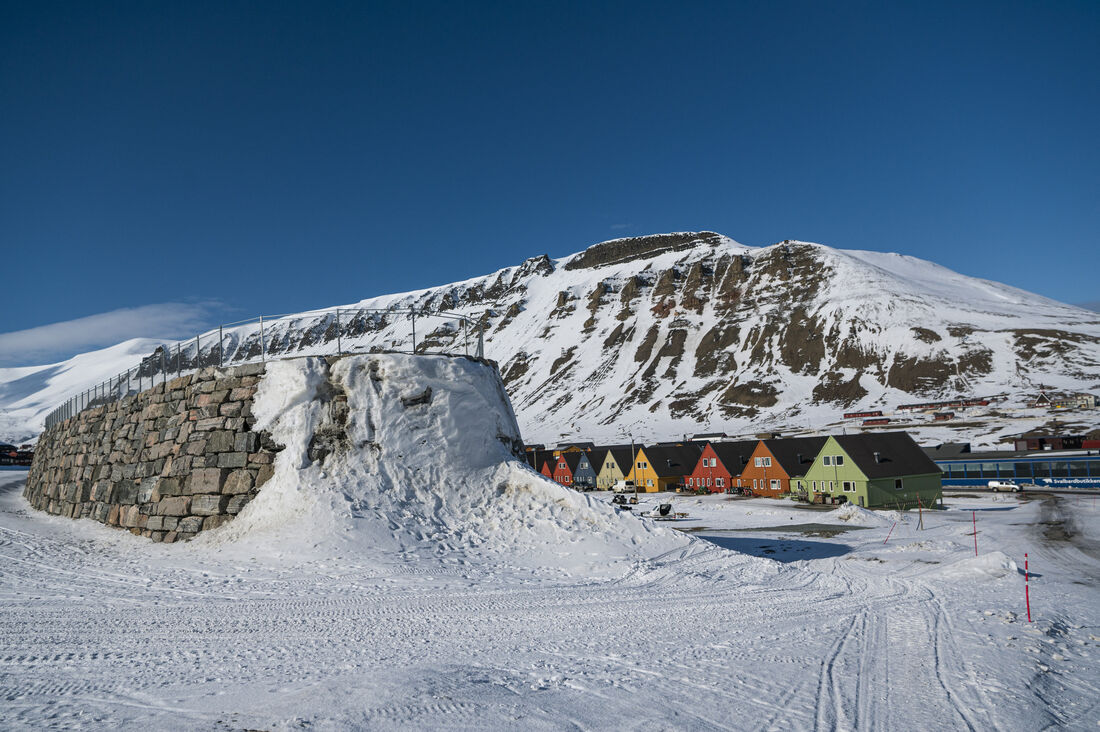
891,532
974,518
1027,589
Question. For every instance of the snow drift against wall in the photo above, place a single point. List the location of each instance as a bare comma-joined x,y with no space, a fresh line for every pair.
421,463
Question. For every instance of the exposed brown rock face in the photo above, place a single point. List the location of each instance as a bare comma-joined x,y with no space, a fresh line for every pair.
646,347
803,348
625,250
920,375
562,360
927,335
743,399
712,355
835,389
516,369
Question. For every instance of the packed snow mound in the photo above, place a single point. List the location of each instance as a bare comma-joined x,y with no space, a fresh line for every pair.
422,463
992,565
853,514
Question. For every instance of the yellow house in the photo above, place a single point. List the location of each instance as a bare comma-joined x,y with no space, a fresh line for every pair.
611,470
663,468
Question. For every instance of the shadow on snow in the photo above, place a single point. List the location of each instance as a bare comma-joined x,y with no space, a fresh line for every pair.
781,550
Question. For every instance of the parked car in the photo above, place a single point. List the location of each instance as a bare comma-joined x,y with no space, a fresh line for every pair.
1004,485
623,486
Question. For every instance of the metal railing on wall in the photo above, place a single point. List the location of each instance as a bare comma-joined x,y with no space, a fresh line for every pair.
314,333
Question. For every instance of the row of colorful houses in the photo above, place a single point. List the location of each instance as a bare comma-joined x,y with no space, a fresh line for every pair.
885,469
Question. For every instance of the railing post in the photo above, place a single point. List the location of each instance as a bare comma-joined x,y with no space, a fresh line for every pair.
179,361
263,347
198,353
481,339
412,314
221,348
466,336
163,365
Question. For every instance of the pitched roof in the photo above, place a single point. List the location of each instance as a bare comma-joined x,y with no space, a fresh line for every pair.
535,458
623,457
734,455
572,459
674,460
538,458
596,456
787,453
898,454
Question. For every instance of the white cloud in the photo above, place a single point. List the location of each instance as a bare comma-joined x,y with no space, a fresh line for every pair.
58,341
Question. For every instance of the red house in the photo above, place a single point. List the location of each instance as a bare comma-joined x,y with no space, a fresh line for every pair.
563,466
720,465
547,468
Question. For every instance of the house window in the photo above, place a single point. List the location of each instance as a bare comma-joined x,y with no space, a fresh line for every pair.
708,482
754,483
690,484
767,462
832,486
897,484
758,462
849,486
838,459
649,483
713,462
827,460
776,485
718,482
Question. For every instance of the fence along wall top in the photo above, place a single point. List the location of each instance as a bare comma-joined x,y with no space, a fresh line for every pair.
113,385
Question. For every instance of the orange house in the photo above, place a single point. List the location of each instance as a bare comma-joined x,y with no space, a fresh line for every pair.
774,463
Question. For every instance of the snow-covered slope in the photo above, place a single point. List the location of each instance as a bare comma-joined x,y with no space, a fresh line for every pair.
28,393
654,337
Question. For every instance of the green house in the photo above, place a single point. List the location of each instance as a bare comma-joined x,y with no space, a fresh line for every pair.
874,470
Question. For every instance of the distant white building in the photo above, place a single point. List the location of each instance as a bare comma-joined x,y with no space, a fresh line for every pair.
1058,400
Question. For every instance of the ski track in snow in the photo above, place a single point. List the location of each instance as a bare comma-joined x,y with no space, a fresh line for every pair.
98,631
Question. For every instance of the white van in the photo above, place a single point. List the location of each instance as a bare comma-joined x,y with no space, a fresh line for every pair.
1004,485
623,486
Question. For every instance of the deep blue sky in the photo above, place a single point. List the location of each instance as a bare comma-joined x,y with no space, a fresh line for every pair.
270,157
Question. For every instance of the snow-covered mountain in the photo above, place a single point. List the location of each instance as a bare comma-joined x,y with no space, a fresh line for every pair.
654,337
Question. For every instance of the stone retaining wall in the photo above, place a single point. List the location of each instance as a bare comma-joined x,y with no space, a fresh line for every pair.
165,464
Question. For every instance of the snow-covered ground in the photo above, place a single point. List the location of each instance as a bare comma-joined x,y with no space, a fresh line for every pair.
773,629
423,577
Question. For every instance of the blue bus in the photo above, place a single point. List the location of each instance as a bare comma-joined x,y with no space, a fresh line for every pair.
1078,469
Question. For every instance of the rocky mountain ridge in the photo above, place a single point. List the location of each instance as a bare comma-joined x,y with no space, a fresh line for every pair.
669,334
